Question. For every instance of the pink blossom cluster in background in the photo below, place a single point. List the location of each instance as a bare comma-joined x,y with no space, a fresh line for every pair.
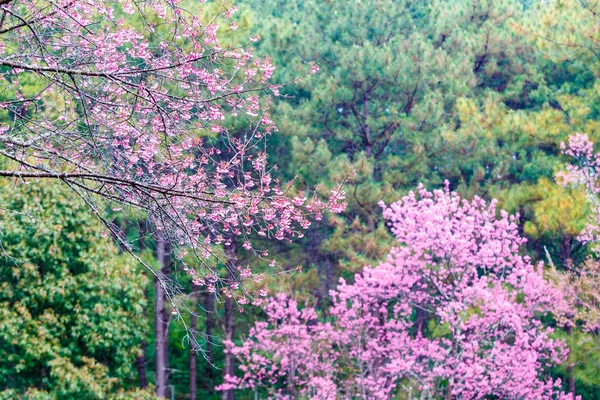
580,284
583,173
453,311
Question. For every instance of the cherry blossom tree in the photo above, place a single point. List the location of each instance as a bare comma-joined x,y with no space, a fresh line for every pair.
580,282
136,105
457,262
583,174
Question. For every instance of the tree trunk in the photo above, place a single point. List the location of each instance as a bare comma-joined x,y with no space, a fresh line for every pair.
328,274
143,236
162,317
229,367
370,223
565,251
565,259
140,362
315,257
571,370
291,387
421,318
193,350
449,391
367,128
209,305
448,394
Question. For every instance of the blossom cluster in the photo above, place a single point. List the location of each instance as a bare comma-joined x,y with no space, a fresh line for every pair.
453,311
583,174
142,106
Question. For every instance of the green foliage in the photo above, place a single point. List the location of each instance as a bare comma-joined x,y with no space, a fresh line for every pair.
68,301
407,93
477,92
584,356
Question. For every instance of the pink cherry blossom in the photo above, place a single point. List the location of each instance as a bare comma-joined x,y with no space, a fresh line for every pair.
583,174
146,116
454,311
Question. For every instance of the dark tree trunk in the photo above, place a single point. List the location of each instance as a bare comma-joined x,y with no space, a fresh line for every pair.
314,256
571,370
371,223
143,235
522,221
328,274
565,251
140,362
193,350
565,259
162,317
367,128
421,318
229,367
209,305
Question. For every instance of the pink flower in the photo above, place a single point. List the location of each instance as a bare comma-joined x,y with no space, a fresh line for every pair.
454,257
